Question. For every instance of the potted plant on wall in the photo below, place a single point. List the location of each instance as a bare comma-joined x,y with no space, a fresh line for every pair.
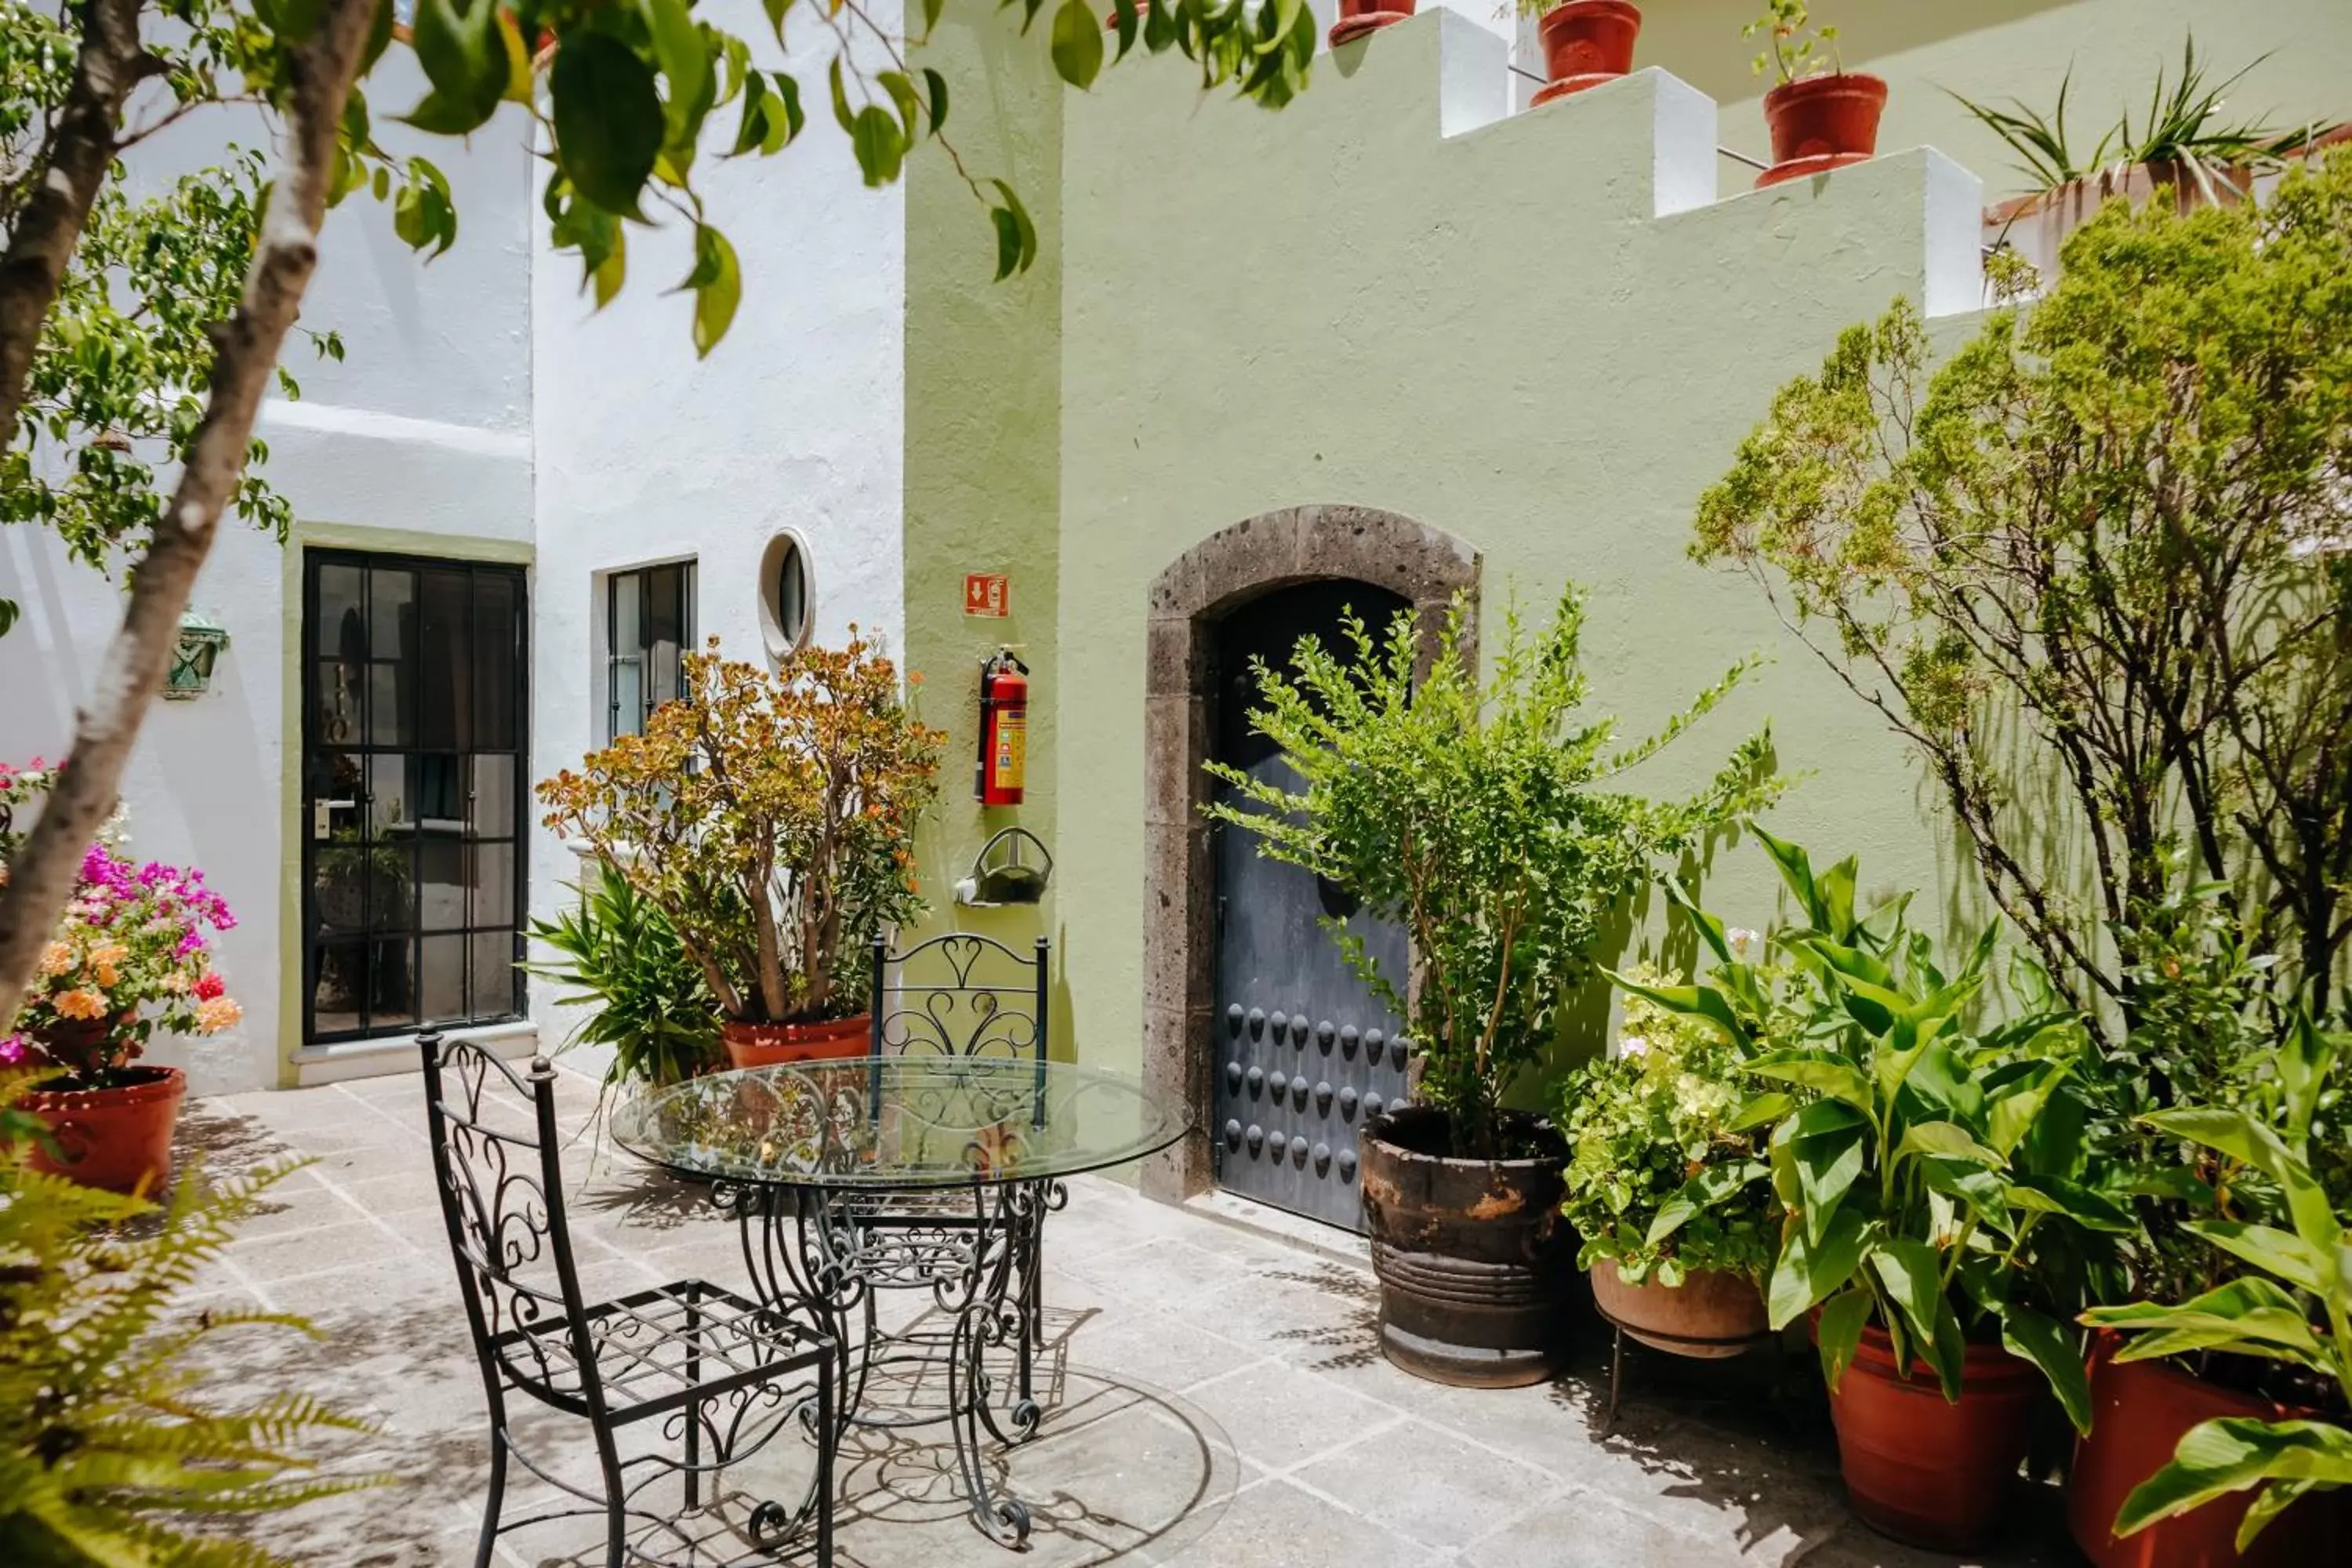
130,957
1822,116
1940,1197
1585,42
770,817
1480,817
1676,1218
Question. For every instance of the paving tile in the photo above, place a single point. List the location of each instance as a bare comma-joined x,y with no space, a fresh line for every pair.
1280,1417
1584,1529
1457,1488
1275,1524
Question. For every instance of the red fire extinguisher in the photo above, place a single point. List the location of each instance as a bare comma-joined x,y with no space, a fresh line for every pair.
1004,731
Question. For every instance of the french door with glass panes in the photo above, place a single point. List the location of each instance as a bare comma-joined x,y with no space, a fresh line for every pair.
413,706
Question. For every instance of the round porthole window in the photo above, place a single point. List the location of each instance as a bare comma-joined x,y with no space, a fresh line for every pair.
787,596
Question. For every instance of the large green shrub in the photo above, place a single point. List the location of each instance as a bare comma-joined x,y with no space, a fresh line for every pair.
1484,816
645,995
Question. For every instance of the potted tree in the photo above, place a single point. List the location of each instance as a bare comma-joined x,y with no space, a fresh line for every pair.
130,957
1585,42
1676,1216
1822,116
1939,1202
1480,816
647,1001
769,817
2181,760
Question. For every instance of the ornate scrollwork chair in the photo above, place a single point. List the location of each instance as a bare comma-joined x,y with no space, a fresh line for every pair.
964,997
721,1374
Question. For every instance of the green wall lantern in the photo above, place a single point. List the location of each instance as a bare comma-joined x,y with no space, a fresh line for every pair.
192,661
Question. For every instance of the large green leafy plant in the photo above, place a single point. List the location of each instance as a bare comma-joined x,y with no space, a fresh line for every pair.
110,1456
646,998
1483,816
2292,1306
1659,1181
1932,1171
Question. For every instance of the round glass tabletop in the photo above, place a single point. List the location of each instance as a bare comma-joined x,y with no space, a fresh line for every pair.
898,1122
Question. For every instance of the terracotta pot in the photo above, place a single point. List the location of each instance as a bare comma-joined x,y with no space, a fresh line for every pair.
2037,227
1472,1257
1821,124
119,1138
1360,18
2140,1412
1708,1317
1924,1470
779,1045
1586,43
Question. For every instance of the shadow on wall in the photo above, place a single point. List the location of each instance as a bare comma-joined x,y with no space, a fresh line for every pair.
1699,40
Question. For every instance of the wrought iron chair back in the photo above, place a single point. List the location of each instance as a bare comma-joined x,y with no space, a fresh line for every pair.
497,1164
962,995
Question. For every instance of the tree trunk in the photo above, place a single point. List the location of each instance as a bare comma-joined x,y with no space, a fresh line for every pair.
110,63
245,356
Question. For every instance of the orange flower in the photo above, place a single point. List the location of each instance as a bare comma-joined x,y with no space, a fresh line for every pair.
103,962
58,958
79,1003
217,1013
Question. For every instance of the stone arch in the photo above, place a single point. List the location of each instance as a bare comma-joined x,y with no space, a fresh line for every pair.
1209,582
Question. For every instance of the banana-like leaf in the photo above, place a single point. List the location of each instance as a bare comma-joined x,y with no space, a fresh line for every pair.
2048,1345
2230,1455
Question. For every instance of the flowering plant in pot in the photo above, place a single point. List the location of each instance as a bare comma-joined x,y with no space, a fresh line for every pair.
770,817
1585,42
1822,116
1482,817
1942,1208
1677,1219
130,957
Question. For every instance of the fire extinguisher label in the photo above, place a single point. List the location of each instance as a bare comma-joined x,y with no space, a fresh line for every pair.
1012,749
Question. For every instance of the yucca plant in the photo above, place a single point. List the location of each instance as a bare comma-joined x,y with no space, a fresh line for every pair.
109,1453
645,995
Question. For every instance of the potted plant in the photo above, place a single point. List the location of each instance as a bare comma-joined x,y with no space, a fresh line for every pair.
1481,817
131,956
2184,151
2260,1471
1822,116
648,1001
1585,42
109,1452
1361,18
1937,1195
1677,1218
769,817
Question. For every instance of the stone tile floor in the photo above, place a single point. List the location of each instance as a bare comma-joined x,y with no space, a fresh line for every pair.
1219,1400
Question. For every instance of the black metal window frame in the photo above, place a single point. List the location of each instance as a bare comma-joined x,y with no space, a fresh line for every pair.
451,774
642,651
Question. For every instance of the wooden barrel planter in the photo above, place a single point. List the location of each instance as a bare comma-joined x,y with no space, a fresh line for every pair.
1471,1255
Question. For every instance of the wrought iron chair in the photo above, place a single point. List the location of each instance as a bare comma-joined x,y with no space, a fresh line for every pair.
712,1368
962,996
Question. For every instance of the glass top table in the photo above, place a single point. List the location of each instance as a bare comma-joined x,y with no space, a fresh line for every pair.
899,1123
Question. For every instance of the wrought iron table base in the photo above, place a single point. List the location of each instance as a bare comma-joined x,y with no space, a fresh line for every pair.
819,1256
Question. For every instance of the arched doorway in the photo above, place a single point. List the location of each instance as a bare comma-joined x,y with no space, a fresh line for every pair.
1199,601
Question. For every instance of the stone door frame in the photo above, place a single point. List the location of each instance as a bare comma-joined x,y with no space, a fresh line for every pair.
1214,578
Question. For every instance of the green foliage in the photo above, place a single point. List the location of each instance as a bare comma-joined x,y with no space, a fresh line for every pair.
1933,1172
2100,552
1659,1181
108,1452
621,958
2183,127
2293,1305
1794,49
1479,816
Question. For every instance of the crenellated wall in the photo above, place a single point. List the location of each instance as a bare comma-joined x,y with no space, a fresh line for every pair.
1538,333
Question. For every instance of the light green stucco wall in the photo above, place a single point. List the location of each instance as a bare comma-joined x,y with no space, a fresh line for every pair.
983,407
1993,50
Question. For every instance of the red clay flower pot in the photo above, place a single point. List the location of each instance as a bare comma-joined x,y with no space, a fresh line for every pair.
1821,124
1360,18
1586,43
119,1138
780,1045
1708,1317
1924,1470
2140,1411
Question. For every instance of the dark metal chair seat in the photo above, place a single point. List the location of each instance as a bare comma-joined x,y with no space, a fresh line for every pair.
724,1375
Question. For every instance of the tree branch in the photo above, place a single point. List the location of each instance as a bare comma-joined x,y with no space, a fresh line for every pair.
286,254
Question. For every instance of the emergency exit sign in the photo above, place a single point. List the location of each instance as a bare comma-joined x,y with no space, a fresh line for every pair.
988,594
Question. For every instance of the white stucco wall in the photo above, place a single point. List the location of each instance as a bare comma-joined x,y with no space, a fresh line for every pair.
796,420
426,428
